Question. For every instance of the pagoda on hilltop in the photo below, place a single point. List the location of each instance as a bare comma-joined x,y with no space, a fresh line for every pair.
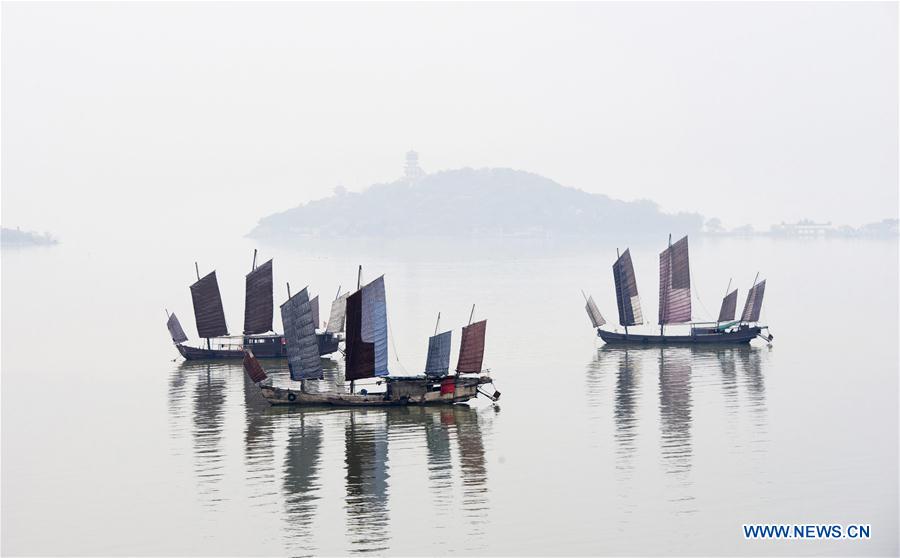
412,172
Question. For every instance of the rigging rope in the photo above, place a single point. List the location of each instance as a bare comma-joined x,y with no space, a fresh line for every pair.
394,346
697,295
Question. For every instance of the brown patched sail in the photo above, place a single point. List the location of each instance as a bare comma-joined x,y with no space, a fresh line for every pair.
753,306
208,311
175,330
471,349
359,356
253,368
675,284
258,300
729,307
627,298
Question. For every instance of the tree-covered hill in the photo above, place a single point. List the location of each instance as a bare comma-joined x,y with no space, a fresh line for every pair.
472,202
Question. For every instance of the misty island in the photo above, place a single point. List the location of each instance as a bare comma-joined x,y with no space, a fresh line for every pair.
18,237
503,202
470,202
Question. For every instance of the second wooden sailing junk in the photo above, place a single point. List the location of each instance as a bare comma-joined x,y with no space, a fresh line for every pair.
258,332
675,305
366,356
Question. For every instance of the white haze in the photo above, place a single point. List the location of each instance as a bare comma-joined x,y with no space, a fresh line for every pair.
127,117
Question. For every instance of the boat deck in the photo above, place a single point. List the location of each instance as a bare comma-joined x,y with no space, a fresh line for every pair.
263,346
737,336
419,391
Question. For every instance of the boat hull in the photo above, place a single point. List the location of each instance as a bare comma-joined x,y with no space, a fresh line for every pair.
263,347
736,337
399,393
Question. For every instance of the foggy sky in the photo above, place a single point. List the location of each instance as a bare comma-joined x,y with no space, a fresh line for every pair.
209,116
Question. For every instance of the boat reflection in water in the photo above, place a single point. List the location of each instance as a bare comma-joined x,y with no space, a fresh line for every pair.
209,414
686,381
296,461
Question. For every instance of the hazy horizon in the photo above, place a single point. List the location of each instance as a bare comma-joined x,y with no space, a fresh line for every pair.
209,116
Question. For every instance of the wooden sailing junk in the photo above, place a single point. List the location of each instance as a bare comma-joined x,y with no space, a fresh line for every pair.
258,332
366,356
675,305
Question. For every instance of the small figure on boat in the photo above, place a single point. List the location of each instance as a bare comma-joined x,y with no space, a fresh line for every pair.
366,356
258,331
675,305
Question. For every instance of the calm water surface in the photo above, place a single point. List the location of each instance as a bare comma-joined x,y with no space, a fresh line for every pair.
112,445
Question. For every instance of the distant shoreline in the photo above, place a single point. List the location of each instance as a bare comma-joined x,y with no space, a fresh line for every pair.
886,228
19,238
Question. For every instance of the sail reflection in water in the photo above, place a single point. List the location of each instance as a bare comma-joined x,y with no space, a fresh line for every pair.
301,477
675,407
627,368
682,371
440,465
752,369
178,408
209,416
473,469
367,479
259,445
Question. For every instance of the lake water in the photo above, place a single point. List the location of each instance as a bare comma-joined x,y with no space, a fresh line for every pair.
111,444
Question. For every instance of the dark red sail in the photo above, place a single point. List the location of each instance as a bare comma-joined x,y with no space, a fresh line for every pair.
208,309
253,368
471,348
258,300
359,356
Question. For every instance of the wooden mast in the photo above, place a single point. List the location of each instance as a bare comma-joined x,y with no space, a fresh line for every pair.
727,289
586,303
437,323
253,268
471,314
620,284
755,279
668,280
358,285
197,269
